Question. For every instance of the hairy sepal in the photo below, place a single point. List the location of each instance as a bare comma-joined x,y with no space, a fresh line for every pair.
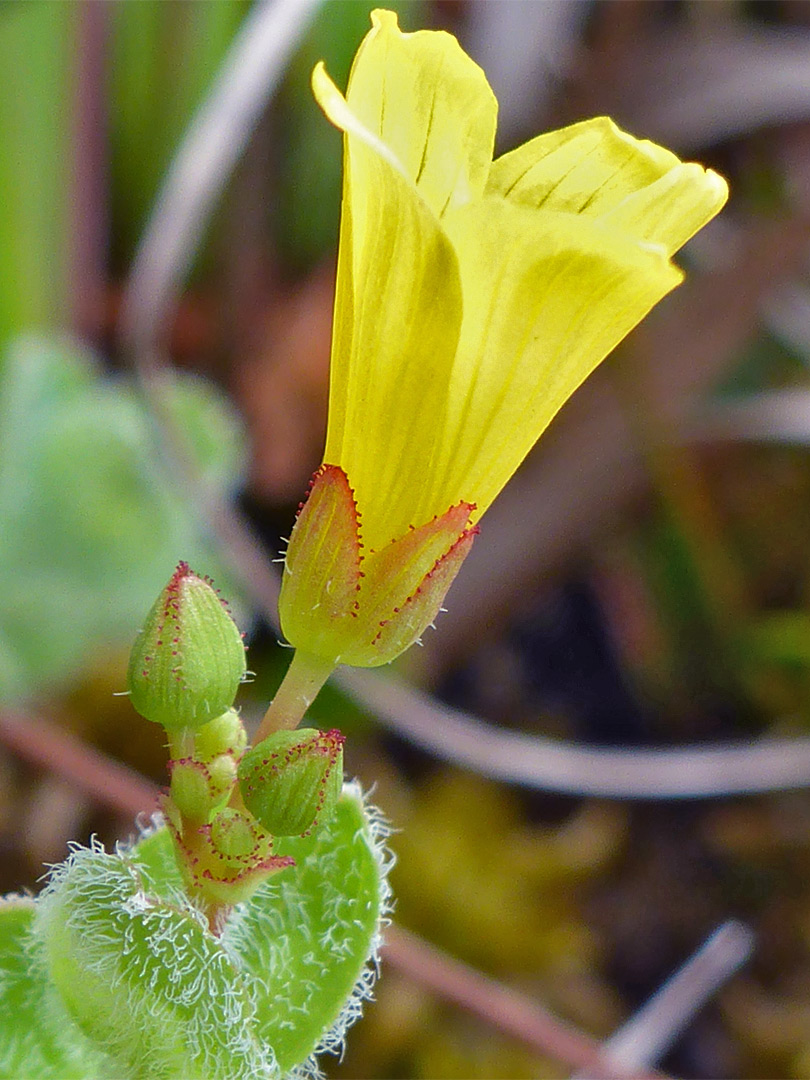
319,593
349,606
405,584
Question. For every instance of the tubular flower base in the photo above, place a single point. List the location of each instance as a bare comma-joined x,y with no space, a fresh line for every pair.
473,297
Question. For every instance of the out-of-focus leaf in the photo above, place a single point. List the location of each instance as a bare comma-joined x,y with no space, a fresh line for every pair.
91,522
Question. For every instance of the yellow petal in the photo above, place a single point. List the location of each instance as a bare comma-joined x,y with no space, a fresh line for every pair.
596,169
425,99
396,327
586,168
673,209
546,297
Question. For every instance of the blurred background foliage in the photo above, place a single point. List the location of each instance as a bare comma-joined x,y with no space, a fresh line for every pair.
645,580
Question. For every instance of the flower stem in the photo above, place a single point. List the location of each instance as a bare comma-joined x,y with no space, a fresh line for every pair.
299,688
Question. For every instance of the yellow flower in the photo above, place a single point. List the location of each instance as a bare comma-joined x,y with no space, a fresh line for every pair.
473,297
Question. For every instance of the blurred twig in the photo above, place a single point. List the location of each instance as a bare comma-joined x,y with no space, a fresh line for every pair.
554,765
690,89
769,416
49,746
649,1034
501,1006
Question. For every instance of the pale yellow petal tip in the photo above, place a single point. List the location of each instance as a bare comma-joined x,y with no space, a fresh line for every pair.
704,185
385,21
330,99
707,189
338,112
322,86
718,187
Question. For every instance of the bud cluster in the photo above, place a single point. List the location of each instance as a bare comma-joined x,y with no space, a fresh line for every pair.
202,780
226,803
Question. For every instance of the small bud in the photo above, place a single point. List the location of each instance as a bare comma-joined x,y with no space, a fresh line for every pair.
224,735
222,771
186,665
233,834
197,789
292,780
191,789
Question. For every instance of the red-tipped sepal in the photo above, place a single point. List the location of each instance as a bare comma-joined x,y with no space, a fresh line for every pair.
348,607
405,583
321,585
224,862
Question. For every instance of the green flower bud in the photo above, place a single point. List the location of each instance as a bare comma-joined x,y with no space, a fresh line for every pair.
191,789
234,834
186,666
197,788
291,781
224,735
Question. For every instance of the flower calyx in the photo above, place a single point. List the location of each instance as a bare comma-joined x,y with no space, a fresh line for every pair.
352,606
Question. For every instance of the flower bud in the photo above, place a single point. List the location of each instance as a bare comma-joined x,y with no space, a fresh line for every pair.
198,788
291,781
223,735
191,789
234,834
186,665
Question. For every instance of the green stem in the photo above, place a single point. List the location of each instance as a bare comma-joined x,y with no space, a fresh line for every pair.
181,743
299,688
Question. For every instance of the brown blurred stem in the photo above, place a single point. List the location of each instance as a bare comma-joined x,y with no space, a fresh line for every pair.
501,1006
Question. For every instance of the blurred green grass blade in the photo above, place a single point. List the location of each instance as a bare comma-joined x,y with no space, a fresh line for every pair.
777,637
37,55
163,58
